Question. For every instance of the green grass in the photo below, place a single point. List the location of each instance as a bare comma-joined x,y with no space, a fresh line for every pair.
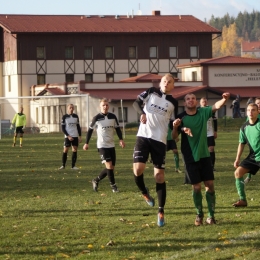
50,214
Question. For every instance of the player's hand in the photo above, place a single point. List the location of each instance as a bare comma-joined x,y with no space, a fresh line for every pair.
176,123
236,163
23,127
70,138
122,143
11,126
226,95
80,139
143,119
85,147
187,131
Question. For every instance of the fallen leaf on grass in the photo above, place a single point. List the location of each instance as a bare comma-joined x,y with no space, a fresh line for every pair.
90,246
110,243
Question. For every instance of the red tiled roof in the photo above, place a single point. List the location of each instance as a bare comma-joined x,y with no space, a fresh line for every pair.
52,91
226,60
131,94
107,24
250,46
244,92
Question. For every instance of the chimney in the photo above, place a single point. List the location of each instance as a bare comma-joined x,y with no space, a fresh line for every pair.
156,13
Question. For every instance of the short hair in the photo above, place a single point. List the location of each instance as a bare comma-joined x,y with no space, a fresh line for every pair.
168,75
103,100
257,98
252,105
203,98
189,94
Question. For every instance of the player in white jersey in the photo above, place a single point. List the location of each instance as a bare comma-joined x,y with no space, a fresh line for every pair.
212,128
105,124
157,108
71,128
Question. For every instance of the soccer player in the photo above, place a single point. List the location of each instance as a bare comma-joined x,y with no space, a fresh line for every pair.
71,128
172,146
212,128
192,124
19,122
257,102
156,107
105,124
249,134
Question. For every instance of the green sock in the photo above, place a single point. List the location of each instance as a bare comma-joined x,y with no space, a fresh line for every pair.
211,201
176,159
249,175
241,188
197,198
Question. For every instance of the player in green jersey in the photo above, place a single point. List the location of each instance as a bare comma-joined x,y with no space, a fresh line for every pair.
249,134
192,124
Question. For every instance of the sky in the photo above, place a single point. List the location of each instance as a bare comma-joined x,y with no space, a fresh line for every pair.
201,9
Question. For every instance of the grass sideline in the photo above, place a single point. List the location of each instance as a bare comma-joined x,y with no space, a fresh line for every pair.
50,214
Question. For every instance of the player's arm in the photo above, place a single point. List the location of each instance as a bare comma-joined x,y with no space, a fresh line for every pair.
240,150
221,103
175,128
63,126
138,106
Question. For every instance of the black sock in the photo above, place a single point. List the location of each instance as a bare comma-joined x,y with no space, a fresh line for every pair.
111,177
212,157
139,180
73,159
161,193
64,159
101,176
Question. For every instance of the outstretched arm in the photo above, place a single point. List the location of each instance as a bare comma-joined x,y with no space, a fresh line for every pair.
221,103
240,150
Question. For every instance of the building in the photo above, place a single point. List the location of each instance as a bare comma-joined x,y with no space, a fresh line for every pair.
47,49
251,49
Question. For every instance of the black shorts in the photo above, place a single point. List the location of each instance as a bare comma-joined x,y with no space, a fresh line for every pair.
68,143
211,141
200,171
108,155
251,165
171,145
19,130
145,146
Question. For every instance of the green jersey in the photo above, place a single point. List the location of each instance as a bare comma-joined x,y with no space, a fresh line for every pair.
250,134
196,147
19,120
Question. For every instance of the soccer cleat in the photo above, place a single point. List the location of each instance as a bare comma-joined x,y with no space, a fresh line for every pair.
210,220
13,145
94,185
74,168
114,188
247,180
178,170
21,145
160,221
148,198
240,203
198,220
62,167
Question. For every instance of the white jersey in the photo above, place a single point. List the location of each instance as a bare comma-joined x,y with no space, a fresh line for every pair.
210,128
105,126
160,109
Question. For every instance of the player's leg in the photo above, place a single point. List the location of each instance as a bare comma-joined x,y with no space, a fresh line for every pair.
66,146
75,144
211,146
110,165
21,136
15,137
211,201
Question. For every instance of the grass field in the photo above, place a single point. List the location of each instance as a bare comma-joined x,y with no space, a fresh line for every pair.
50,214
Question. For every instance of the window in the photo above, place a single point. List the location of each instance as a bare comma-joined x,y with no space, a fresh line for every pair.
132,75
89,77
40,79
40,52
69,53
153,52
88,53
194,52
109,77
173,52
132,52
69,78
122,116
174,74
109,52
8,54
194,76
